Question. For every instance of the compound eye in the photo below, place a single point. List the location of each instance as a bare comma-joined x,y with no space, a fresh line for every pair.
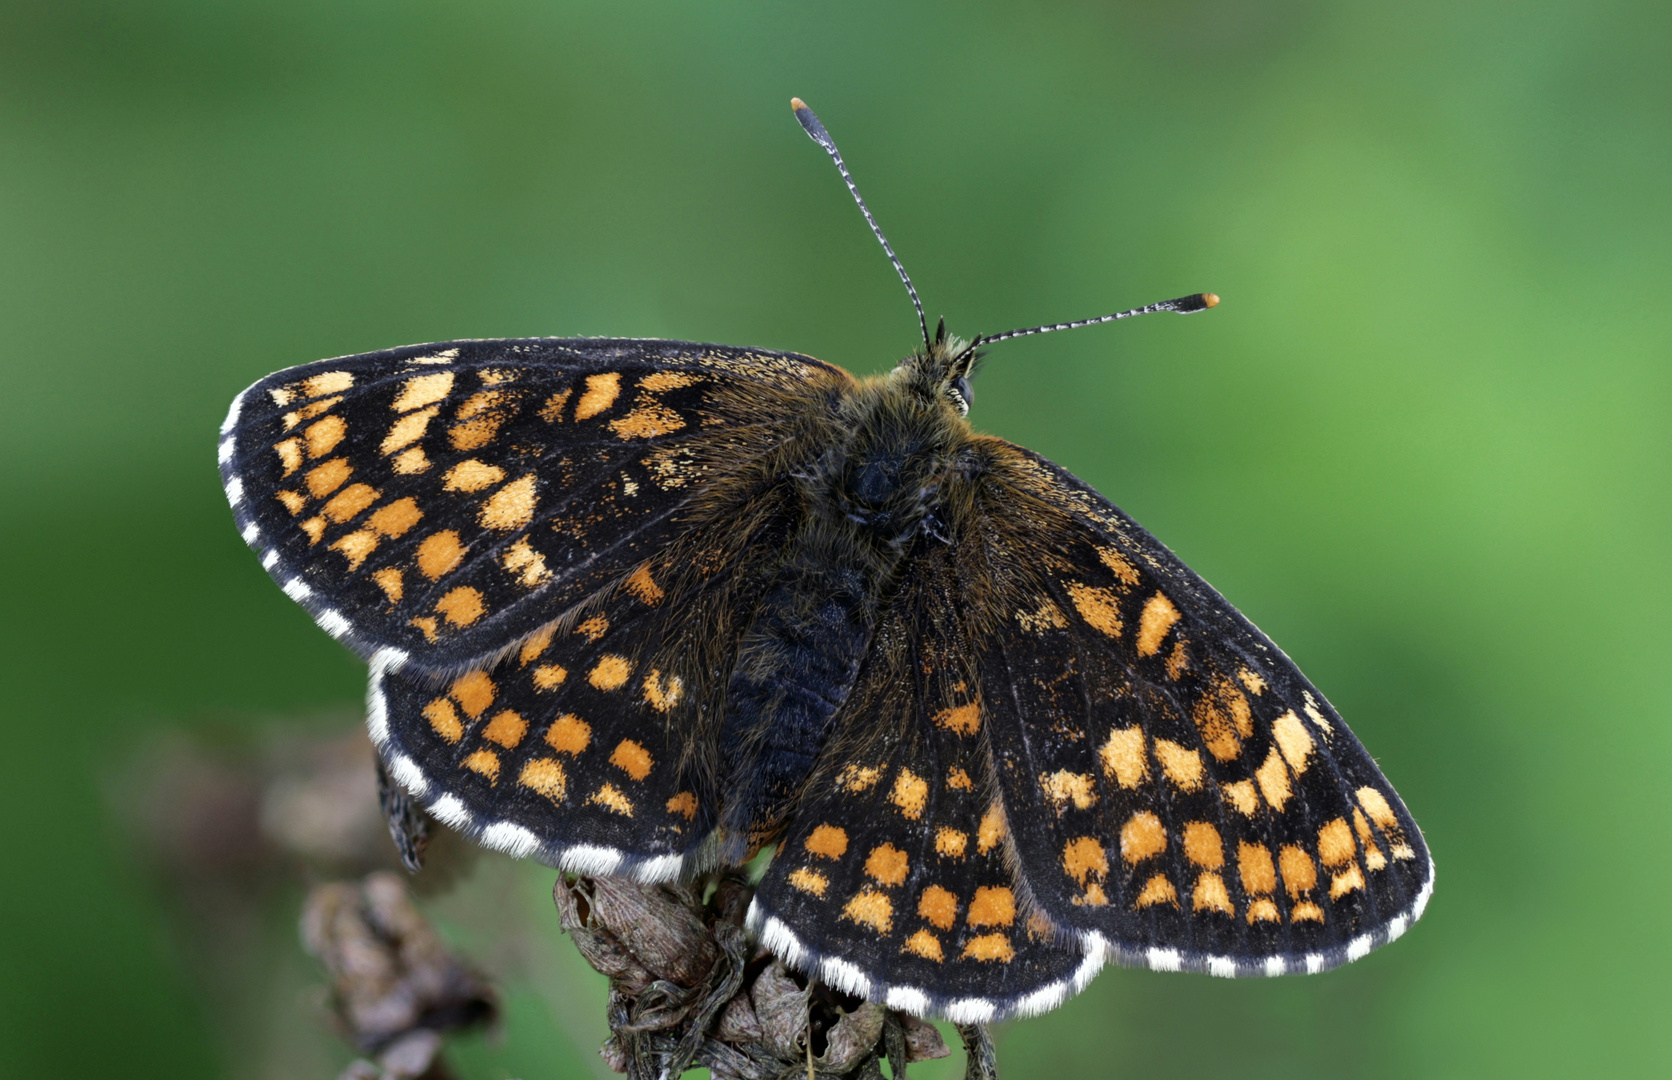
961,394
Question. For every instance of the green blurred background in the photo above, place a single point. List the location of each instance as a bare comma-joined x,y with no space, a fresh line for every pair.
1423,442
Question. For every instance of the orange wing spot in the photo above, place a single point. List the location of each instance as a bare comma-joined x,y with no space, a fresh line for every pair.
1099,607
499,376
1210,895
1335,843
594,628
549,676
423,390
1083,859
1202,845
632,759
1256,685
1215,723
410,462
600,394
1299,875
444,719
951,842
389,580
1142,837
1373,857
290,454
329,382
1178,661
938,907
610,798
427,625
663,381
1063,787
324,435
484,762
1094,896
396,518
610,673
478,432
871,908
526,565
910,794
348,502
991,830
511,507
326,478
809,881
648,420
472,475
958,780
315,528
292,500
1345,882
308,412
356,546
1117,562
857,778
1046,617
1242,796
552,411
684,804
440,553
989,948
1312,714
1263,910
1254,866
534,646
888,864
474,692
1183,767
643,586
569,734
1294,740
1376,805
827,842
926,945
1123,757
1306,912
963,719
1158,617
546,776
662,693
1274,780
506,728
407,430
993,905
1157,890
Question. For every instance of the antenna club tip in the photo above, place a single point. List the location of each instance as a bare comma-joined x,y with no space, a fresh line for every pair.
1210,300
797,105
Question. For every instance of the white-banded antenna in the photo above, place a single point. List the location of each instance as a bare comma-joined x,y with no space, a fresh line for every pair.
819,135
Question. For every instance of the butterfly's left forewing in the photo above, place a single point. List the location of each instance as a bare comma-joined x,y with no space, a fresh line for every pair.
432,505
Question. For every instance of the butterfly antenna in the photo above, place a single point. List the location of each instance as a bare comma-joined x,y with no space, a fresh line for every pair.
1184,305
816,131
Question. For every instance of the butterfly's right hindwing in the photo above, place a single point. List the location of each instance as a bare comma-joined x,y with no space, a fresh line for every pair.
433,505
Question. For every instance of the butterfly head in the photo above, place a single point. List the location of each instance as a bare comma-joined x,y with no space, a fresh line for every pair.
942,369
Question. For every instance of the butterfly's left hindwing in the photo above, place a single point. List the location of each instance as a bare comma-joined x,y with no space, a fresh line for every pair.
1174,786
435,504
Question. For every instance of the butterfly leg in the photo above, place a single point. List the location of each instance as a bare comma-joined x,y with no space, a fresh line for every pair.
981,1061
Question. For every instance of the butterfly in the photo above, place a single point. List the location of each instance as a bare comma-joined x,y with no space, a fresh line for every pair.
647,608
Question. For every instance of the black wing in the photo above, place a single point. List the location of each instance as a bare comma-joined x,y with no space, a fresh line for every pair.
1177,791
433,505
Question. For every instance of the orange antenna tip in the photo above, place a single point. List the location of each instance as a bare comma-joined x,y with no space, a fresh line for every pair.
1210,300
797,104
